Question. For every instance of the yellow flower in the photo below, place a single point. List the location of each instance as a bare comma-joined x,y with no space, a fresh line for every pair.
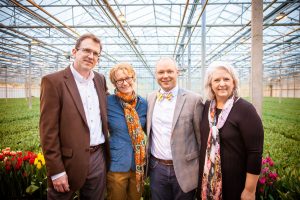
40,156
43,160
39,165
36,161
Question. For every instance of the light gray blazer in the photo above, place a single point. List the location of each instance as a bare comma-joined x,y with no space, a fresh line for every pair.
185,139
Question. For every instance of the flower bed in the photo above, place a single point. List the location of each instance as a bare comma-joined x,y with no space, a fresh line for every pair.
22,175
268,177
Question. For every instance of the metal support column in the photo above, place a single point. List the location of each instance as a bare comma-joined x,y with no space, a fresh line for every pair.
189,61
257,55
56,66
29,79
182,66
6,84
153,81
203,47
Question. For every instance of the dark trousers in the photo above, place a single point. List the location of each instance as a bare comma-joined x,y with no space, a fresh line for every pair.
164,184
94,186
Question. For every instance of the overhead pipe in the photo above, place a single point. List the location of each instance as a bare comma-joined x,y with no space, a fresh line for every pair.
41,18
246,32
149,4
126,34
188,25
194,27
103,53
28,36
53,26
121,26
181,24
114,24
155,23
156,26
42,9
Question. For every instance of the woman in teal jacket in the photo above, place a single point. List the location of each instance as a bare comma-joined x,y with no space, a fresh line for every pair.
126,121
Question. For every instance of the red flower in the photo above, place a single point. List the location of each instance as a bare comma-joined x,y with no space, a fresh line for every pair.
265,170
31,161
1,156
25,174
7,168
6,153
26,158
273,175
271,163
19,163
19,153
262,180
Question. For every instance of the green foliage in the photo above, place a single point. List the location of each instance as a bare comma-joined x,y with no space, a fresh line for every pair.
282,140
146,194
19,124
288,185
282,126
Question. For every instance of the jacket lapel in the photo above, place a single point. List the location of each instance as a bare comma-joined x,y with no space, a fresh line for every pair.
101,95
151,102
178,107
72,87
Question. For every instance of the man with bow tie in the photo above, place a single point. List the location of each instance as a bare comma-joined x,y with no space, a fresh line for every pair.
173,148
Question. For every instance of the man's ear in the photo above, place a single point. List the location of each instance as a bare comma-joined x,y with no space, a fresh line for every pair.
74,51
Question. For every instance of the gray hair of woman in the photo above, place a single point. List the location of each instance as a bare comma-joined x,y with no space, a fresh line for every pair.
213,67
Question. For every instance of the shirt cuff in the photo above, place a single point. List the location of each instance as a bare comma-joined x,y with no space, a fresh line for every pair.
56,176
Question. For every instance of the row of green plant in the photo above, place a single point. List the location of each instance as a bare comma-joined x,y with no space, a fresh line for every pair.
19,124
280,177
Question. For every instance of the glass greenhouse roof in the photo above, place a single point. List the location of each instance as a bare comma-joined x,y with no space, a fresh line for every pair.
41,34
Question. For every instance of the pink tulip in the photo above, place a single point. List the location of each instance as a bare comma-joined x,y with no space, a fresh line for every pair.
265,170
273,175
262,180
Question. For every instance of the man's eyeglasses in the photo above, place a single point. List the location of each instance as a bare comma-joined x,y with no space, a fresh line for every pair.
121,81
89,51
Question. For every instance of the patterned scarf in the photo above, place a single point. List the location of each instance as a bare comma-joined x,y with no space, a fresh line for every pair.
212,175
137,135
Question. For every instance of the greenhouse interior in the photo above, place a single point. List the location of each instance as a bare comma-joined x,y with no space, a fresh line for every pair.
260,38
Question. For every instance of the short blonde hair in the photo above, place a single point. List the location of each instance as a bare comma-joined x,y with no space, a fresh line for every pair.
213,67
125,67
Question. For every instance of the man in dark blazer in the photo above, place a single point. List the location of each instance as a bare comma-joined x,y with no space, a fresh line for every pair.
73,125
173,148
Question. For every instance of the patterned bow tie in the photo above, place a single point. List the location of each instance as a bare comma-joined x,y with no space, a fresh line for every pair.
161,96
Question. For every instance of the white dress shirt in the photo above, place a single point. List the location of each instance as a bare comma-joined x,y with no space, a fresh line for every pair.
162,120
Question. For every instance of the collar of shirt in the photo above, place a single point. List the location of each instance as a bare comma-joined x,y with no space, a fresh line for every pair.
174,91
80,78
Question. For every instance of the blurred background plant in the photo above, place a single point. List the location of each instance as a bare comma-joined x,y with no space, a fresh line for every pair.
288,184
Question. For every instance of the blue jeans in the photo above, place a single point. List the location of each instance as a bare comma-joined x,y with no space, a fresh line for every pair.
164,184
